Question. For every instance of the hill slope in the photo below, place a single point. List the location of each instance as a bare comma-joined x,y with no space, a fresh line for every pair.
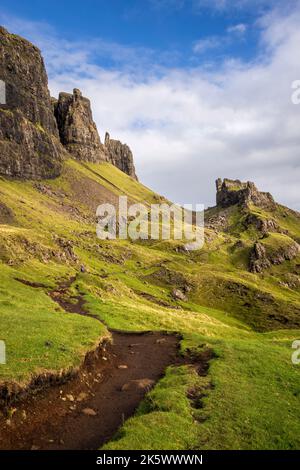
250,399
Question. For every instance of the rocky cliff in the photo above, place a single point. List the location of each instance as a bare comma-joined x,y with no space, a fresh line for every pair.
29,141
120,155
79,134
77,130
231,192
36,132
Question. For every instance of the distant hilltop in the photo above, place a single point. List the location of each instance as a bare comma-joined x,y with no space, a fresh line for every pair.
38,132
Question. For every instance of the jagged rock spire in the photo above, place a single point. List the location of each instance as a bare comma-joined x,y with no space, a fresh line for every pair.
77,130
79,134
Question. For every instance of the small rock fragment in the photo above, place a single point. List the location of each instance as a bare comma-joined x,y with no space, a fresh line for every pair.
161,340
89,412
140,384
177,294
82,396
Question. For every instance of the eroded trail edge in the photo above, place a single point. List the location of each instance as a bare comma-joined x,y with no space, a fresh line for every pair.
86,412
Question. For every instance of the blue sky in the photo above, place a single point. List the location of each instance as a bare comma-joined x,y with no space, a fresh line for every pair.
199,89
171,28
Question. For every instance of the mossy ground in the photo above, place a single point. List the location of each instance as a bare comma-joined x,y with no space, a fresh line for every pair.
251,396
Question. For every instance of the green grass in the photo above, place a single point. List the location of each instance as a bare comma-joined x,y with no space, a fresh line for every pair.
162,417
251,394
29,326
124,184
253,402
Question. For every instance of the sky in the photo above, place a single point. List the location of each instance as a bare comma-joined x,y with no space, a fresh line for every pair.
199,89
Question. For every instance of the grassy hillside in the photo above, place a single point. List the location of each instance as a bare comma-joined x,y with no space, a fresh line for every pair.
251,396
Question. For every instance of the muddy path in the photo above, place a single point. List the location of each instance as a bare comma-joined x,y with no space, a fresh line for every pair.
86,412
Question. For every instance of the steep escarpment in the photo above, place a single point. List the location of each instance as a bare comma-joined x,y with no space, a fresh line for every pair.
37,132
29,141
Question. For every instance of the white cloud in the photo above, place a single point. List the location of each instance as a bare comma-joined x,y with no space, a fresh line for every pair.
240,28
203,45
187,127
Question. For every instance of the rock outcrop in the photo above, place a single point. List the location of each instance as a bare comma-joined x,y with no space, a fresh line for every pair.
37,131
231,192
29,141
77,130
120,155
262,257
258,258
79,134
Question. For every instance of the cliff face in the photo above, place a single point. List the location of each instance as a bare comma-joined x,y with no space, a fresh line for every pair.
77,130
231,192
29,141
79,134
36,132
120,155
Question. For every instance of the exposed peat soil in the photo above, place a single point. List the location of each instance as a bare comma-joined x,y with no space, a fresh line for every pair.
86,411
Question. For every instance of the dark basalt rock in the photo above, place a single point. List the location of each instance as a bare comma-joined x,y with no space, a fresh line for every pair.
258,259
261,258
29,141
77,130
231,192
37,131
79,134
120,155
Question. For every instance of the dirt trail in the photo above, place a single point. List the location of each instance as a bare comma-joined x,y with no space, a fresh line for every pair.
53,421
87,411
